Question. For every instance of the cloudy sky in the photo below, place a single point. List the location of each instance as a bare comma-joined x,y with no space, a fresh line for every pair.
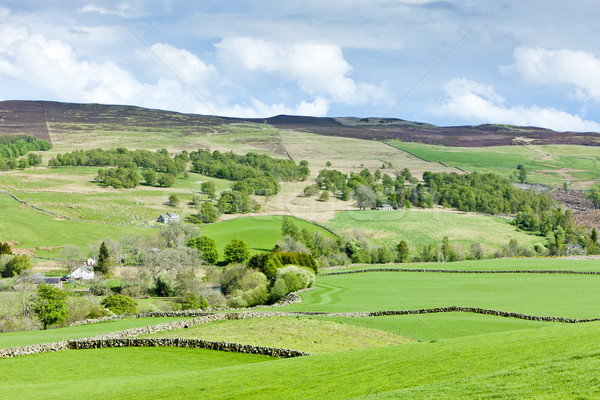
444,62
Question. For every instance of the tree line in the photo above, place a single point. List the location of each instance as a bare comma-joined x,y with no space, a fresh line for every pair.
14,146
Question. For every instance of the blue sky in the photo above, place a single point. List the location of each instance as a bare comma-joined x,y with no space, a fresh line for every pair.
444,62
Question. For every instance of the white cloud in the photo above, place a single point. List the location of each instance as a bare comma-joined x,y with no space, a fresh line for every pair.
53,66
258,109
540,66
318,69
185,65
475,103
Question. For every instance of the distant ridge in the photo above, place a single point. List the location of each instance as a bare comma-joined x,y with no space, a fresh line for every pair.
33,118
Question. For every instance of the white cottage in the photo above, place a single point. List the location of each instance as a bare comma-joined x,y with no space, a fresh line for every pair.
83,273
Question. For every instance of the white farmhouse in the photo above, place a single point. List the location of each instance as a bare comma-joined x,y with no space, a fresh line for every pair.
84,273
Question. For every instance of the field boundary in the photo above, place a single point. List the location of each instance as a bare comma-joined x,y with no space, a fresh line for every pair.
457,271
126,337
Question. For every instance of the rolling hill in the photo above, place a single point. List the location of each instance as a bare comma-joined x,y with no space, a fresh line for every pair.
41,118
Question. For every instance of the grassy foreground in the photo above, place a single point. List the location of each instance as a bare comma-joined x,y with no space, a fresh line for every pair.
523,364
308,335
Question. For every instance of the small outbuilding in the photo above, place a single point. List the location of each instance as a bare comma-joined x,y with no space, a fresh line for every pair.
386,207
169,218
39,279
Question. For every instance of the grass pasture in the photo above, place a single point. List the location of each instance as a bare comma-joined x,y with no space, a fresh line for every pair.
497,264
304,334
573,296
16,339
261,233
421,227
548,164
520,364
33,228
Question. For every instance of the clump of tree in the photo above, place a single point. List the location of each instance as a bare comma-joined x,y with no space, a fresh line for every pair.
256,173
15,146
120,304
207,246
50,305
5,248
236,251
16,265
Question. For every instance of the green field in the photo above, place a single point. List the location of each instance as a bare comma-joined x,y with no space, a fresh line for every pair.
508,264
67,191
574,296
549,164
422,227
33,228
15,339
521,364
304,334
260,232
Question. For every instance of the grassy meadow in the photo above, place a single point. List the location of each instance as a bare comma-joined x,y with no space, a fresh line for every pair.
298,333
558,295
554,165
420,227
260,232
519,364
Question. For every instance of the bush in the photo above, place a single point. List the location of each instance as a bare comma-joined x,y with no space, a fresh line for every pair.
193,302
100,287
163,285
207,246
97,312
17,265
279,290
236,251
119,304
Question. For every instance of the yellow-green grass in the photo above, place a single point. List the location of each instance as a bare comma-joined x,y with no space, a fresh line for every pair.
17,339
261,233
420,227
553,362
558,295
304,334
67,191
33,228
433,327
499,264
548,164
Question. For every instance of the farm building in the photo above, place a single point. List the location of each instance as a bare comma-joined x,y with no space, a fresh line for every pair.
386,207
83,273
169,218
39,279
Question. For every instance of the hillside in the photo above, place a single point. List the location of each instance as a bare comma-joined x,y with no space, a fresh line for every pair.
41,118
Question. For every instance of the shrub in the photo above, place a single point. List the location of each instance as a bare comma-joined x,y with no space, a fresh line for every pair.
279,290
97,312
17,265
99,287
207,246
193,302
163,285
236,251
119,304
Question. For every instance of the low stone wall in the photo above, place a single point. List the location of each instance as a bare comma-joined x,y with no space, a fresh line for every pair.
187,343
97,320
452,271
290,298
126,337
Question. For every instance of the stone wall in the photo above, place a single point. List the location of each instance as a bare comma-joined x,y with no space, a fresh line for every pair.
187,343
452,271
124,338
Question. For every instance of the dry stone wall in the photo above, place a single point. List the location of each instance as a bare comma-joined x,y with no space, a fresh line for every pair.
452,271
